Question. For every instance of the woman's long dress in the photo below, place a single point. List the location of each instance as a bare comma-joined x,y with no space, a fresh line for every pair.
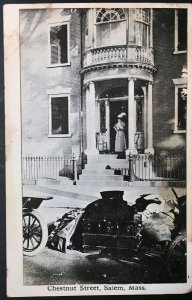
120,141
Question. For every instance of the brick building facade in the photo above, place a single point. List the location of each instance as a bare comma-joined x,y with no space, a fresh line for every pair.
81,68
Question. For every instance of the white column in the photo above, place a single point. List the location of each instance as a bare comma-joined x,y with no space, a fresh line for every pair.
107,123
97,116
88,118
145,117
149,148
131,118
90,114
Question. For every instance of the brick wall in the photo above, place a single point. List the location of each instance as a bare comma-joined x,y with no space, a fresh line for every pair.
169,66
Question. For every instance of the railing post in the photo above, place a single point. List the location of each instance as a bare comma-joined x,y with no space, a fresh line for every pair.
131,173
74,162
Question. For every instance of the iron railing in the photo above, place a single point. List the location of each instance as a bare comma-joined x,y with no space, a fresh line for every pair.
143,167
49,167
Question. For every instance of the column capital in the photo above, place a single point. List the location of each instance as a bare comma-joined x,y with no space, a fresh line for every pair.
151,83
86,86
132,78
107,102
91,82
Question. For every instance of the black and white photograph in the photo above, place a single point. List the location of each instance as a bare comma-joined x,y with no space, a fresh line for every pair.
97,114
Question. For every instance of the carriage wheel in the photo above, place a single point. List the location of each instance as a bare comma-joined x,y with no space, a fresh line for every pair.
35,233
176,259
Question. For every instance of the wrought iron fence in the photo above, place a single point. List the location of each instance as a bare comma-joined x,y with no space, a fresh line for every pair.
50,167
144,167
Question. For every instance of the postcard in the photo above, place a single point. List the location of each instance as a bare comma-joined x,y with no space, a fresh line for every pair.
98,151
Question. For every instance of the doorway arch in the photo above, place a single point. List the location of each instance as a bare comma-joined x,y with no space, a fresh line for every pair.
114,101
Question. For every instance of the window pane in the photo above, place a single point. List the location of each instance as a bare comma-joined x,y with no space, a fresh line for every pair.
141,34
182,29
182,108
59,45
59,110
109,34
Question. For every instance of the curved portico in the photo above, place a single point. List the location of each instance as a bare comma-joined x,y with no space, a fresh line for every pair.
117,78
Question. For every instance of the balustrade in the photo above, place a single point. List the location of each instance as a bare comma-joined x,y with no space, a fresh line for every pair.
118,55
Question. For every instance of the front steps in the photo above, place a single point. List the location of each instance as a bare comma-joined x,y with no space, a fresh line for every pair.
99,172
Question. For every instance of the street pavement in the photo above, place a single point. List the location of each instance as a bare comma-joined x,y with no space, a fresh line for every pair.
53,267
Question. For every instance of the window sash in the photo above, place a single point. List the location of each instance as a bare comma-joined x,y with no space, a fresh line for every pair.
105,33
59,115
180,109
180,31
141,34
59,44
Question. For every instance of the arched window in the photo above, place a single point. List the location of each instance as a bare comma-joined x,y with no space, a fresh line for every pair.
142,22
107,15
110,27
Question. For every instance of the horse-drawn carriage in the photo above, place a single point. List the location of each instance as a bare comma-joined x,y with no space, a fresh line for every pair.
110,223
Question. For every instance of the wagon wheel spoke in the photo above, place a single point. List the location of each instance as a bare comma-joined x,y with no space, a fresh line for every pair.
37,233
24,239
24,221
38,226
27,243
34,220
32,242
36,239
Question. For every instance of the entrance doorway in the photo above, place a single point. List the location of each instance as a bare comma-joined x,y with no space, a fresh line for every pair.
115,108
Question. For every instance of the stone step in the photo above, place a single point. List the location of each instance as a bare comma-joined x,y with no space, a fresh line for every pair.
107,161
102,183
106,156
98,171
101,177
104,165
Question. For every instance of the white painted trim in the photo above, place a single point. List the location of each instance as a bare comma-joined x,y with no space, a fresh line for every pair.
180,52
176,30
102,78
49,65
59,90
50,119
59,135
151,28
177,86
179,131
59,19
180,81
58,65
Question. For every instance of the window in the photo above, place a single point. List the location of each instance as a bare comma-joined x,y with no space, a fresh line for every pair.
107,15
180,107
59,115
180,30
59,44
110,27
142,27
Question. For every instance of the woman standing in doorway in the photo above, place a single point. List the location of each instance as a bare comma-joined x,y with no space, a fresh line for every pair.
120,141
